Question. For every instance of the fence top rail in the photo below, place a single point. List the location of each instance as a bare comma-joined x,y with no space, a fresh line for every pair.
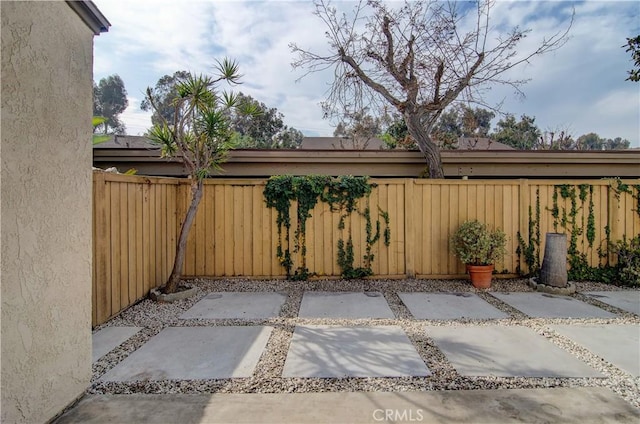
108,176
140,179
531,182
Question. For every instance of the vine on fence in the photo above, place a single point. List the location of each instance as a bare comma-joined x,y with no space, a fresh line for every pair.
627,269
279,193
342,195
619,187
531,248
579,264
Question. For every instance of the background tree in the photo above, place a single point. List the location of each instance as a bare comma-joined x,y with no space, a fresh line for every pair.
461,121
521,135
358,129
633,46
164,94
593,141
476,122
397,136
448,129
418,57
109,101
264,129
199,134
617,143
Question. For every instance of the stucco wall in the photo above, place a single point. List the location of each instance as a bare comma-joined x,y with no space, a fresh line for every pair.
45,209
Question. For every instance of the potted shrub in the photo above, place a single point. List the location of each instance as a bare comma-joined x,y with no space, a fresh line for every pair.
478,248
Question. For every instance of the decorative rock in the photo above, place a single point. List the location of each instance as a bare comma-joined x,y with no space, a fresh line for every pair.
157,296
569,289
267,377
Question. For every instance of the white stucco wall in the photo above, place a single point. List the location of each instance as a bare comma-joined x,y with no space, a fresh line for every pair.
45,201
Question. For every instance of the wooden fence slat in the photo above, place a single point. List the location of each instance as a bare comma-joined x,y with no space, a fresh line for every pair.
209,241
257,231
115,248
139,291
247,238
147,277
219,235
228,224
131,243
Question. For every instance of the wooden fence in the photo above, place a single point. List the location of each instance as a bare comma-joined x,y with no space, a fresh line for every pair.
137,220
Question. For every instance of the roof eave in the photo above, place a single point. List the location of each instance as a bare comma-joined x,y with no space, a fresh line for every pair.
91,16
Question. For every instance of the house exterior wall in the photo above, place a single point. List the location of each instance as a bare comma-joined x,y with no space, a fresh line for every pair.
45,183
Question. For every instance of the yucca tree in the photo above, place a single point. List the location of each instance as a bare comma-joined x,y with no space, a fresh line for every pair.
199,135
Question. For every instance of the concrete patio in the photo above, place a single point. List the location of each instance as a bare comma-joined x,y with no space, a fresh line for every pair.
476,338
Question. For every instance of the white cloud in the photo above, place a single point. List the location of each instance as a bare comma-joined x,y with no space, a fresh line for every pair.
136,120
580,86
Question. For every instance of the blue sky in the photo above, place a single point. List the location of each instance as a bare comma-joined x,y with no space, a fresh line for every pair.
580,88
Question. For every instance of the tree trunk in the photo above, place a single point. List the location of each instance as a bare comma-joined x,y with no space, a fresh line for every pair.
554,264
428,148
171,286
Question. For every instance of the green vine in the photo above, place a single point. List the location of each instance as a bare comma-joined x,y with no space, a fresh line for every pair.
342,195
280,192
531,248
619,187
555,212
579,265
591,220
580,197
625,272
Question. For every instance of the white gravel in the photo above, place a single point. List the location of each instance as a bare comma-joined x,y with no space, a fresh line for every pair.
153,317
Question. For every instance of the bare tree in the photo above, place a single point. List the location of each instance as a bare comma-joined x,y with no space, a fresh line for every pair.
358,129
419,58
559,139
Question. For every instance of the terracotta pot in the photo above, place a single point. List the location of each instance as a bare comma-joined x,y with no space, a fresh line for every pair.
480,275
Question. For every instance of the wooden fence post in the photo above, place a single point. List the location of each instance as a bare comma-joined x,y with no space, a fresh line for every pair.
409,228
523,226
101,249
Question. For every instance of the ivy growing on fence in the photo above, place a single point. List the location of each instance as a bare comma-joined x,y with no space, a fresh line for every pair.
342,195
580,198
531,248
578,195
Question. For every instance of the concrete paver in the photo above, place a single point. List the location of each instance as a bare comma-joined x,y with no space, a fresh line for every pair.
440,306
350,305
506,351
618,344
239,305
566,405
626,300
108,338
188,353
544,305
337,351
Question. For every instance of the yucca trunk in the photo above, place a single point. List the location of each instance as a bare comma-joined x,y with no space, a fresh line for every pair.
171,286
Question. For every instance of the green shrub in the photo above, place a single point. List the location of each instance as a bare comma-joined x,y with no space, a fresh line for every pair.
475,244
628,266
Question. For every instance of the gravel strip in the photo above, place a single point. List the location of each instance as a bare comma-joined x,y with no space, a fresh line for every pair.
154,317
